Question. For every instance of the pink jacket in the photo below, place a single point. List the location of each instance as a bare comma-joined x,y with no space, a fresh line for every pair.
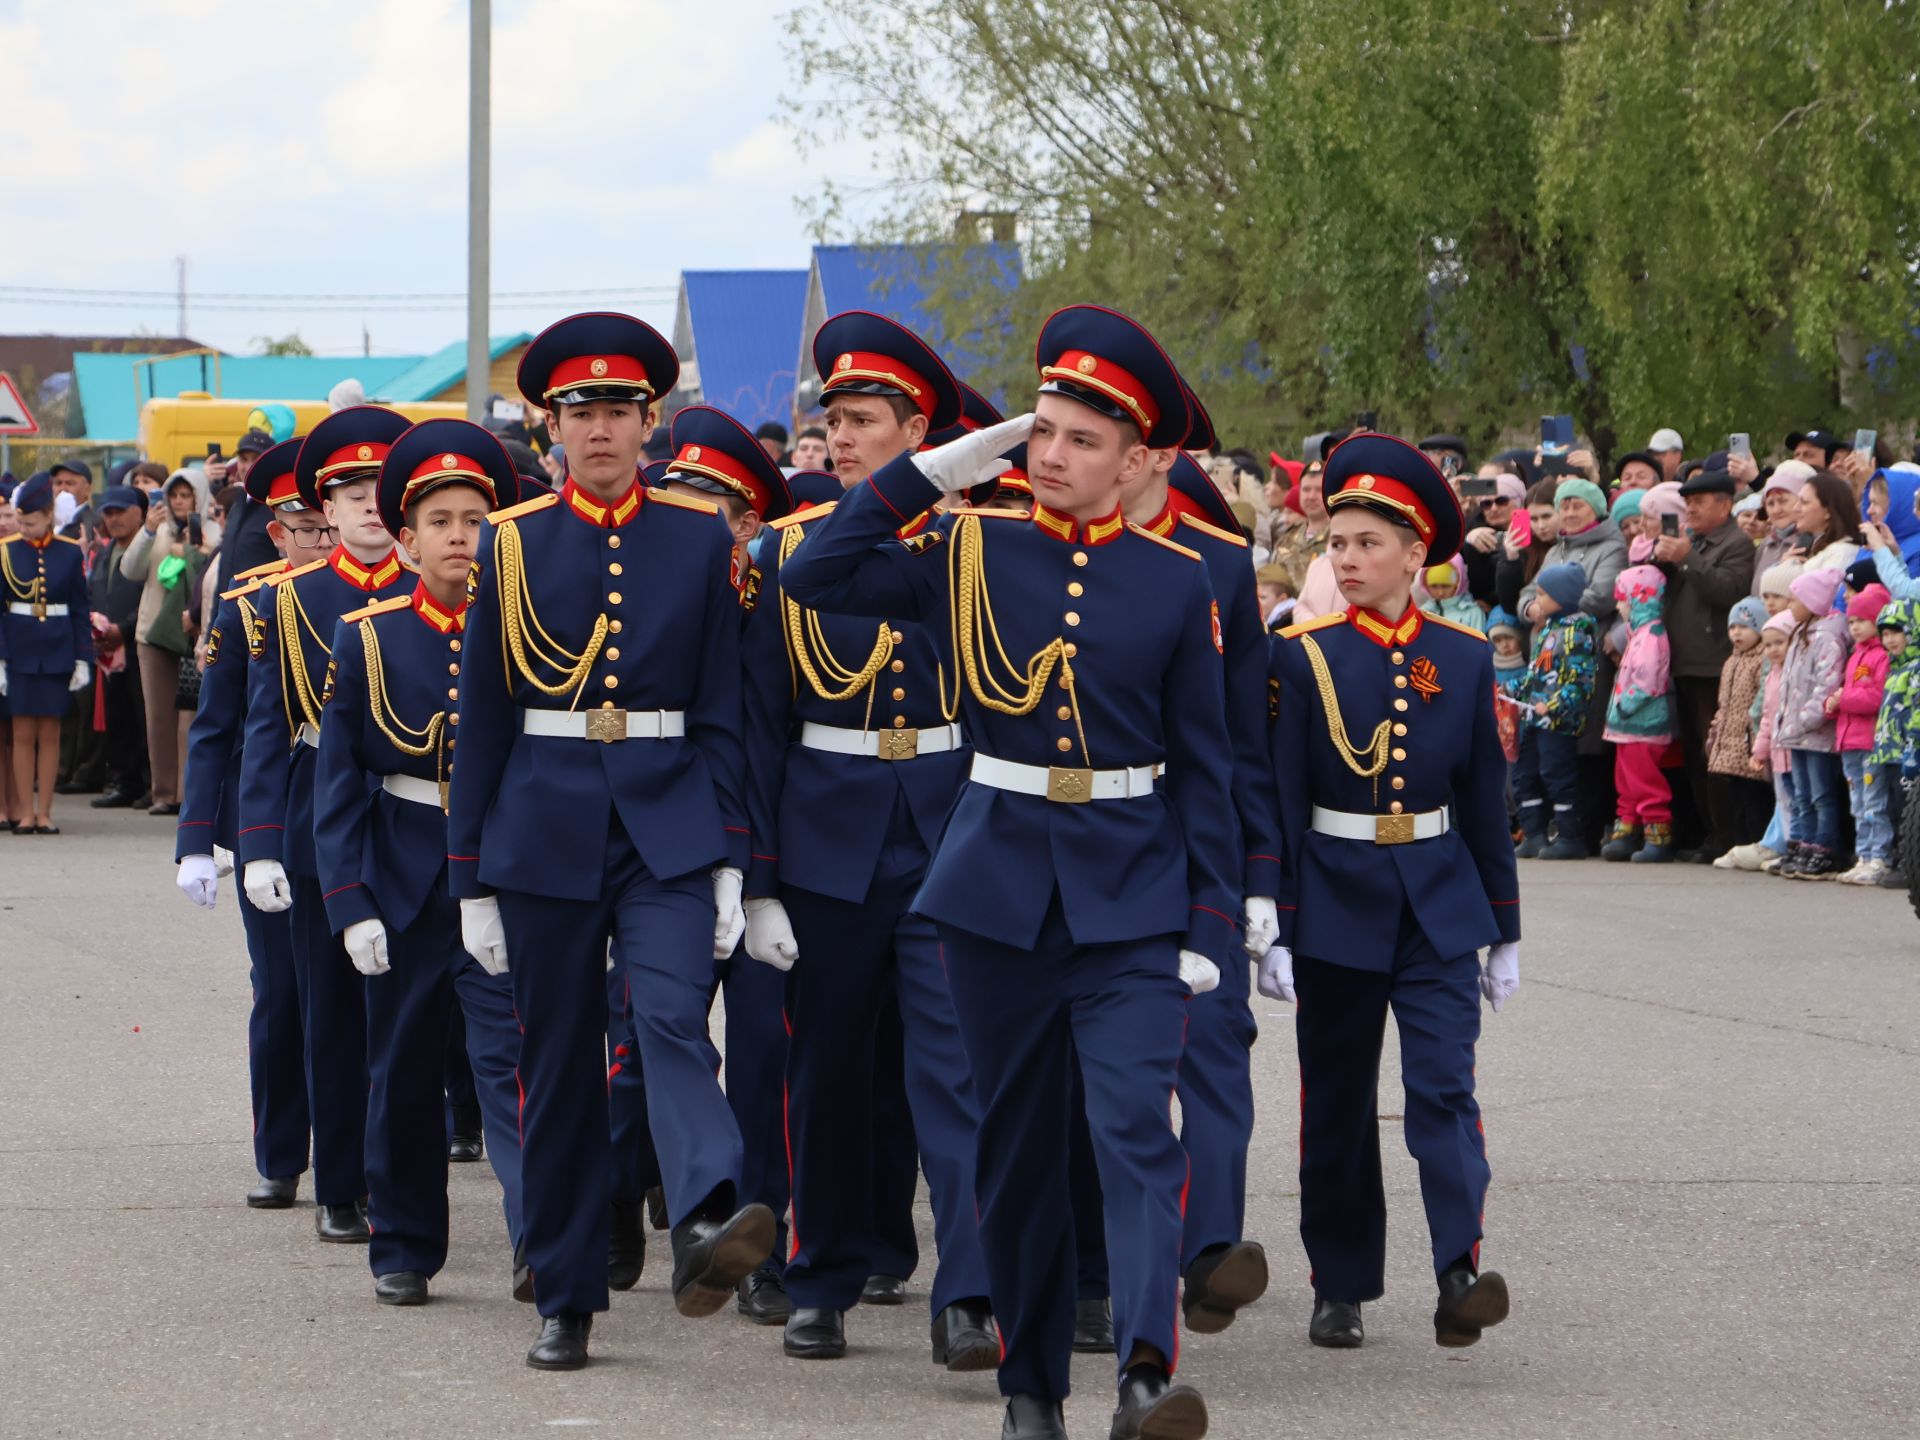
1774,757
1861,692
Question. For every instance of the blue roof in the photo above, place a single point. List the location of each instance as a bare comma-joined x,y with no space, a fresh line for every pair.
742,325
445,367
112,391
896,281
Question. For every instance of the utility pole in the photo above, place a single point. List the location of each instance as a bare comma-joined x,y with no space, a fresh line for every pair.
479,142
180,282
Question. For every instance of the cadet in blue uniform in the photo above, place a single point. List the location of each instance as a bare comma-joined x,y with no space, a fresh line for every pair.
46,644
1398,868
336,474
210,816
1088,664
853,765
380,839
598,797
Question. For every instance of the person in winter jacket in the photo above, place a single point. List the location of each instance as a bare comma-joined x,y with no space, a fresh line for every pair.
1856,712
1729,746
1769,761
1894,748
1555,696
1587,538
1805,728
1640,723
1448,598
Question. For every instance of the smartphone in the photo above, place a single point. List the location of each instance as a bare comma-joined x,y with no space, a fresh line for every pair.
1366,420
1556,434
1670,525
213,450
1740,445
1864,441
1806,540
1473,487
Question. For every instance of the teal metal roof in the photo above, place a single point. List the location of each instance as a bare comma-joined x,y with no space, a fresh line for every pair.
446,366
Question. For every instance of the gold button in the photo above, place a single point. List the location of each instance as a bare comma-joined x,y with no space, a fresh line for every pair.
612,682
454,668
453,719
449,744
898,693
899,722
606,704
614,626
614,569
613,598
453,694
1065,712
1396,807
613,542
1399,727
1400,705
898,666
1399,682
1065,684
1069,650
1398,753
1063,743
898,638
613,652
1399,657
1073,617
453,645
1076,589
1399,782
1079,557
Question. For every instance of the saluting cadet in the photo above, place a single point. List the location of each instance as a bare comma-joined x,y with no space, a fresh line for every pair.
852,767
210,817
1088,662
336,474
380,837
598,798
46,639
1398,866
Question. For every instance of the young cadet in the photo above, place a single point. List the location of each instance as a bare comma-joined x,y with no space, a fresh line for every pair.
380,838
210,818
852,767
46,639
1089,665
1398,868
336,473
597,799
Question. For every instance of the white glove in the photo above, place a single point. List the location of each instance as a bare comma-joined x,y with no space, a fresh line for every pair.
1276,974
1500,977
770,934
222,860
81,672
265,882
959,465
729,920
199,880
483,933
366,942
1263,925
3,677
1199,973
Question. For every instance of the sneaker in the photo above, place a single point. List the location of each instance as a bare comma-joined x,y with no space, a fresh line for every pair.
1787,863
1530,847
1725,862
1817,864
1865,872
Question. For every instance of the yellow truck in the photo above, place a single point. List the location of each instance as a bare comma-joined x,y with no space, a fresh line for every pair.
178,430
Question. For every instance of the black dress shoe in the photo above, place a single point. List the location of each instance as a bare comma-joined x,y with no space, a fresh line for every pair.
113,800
815,1334
711,1256
466,1140
341,1224
522,1275
145,802
402,1287
1468,1305
1029,1417
762,1297
1152,1407
1336,1325
965,1338
562,1344
883,1290
1220,1282
626,1247
657,1208
1093,1327
274,1194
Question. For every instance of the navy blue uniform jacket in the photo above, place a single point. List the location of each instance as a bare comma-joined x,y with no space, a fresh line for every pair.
55,572
210,797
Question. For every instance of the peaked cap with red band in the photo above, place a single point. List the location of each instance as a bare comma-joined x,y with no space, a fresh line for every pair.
712,451
1191,491
1396,480
438,453
346,445
1200,432
599,355
1110,363
270,482
860,353
814,487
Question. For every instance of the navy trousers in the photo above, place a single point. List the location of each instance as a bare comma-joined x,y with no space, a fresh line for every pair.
857,963
276,1053
756,1085
635,1162
1023,1013
896,1153
1216,1111
458,1070
1089,1205
557,956
1340,1025
411,1010
333,1021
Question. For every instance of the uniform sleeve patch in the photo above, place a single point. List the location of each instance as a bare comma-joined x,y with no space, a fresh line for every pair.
1219,641
923,542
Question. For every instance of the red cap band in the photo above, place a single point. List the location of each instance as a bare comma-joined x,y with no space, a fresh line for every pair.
723,469
1077,367
1384,491
865,365
366,455
283,491
589,370
446,468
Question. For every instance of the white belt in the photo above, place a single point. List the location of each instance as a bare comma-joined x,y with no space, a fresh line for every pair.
880,744
411,787
308,735
1382,829
27,607
1063,784
605,725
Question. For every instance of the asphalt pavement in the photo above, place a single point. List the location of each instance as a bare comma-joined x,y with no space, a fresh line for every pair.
1700,1110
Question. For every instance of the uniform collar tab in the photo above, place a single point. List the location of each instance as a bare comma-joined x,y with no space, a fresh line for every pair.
447,622
598,512
1067,530
1382,631
361,577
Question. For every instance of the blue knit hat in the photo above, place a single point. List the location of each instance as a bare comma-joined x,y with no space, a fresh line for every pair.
1565,584
1748,611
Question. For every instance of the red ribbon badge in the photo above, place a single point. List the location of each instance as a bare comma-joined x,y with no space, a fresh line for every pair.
1425,676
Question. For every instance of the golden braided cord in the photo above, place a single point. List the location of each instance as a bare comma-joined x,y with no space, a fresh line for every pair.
1337,727
807,646
423,742
22,591
516,613
293,618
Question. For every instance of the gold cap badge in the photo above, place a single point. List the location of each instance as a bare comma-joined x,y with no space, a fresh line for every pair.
845,362
693,452
1366,482
1087,365
449,462
366,452
597,369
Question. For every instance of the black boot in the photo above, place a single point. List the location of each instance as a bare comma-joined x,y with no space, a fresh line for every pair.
467,1141
712,1253
1152,1407
883,1290
342,1224
657,1207
522,1275
562,1343
1220,1282
274,1194
815,1334
762,1297
1093,1327
1336,1325
965,1337
626,1247
1468,1305
401,1287
1029,1417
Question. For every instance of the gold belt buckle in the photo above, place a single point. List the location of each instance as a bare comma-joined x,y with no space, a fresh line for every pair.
445,786
1069,786
606,726
898,744
1392,829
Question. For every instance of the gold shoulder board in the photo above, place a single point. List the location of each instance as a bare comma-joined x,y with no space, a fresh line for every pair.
1174,546
379,607
685,502
258,570
1338,617
286,575
1214,530
801,517
525,507
239,590
997,514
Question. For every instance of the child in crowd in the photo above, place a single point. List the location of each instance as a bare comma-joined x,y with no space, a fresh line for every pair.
1804,728
1626,514
1894,750
1856,712
1509,679
1769,760
1555,695
1729,745
1775,583
1275,584
1449,600
1752,518
1640,723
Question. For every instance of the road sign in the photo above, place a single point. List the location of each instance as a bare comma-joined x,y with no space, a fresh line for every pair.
15,418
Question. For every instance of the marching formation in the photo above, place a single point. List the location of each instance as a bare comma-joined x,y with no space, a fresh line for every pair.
970,772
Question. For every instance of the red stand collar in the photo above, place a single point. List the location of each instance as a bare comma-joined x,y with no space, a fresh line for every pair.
447,622
1384,632
358,575
1069,532
598,512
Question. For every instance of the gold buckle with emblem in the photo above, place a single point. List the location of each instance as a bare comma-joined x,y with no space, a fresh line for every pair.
606,726
898,744
1067,785
1392,829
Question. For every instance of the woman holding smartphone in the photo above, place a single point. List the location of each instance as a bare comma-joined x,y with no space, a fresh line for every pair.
1829,519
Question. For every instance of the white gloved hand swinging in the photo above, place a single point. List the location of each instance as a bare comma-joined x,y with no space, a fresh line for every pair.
265,882
366,942
959,465
483,934
1263,925
1199,973
1500,977
729,920
81,673
199,880
770,934
3,677
222,860
1276,974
